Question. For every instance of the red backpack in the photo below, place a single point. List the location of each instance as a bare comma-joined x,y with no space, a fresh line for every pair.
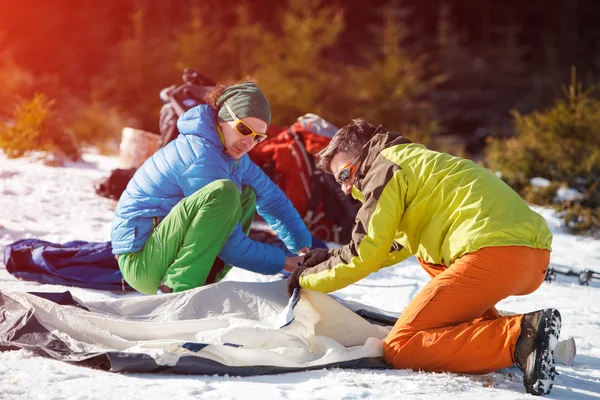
289,159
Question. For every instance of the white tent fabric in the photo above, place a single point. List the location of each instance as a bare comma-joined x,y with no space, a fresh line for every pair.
229,325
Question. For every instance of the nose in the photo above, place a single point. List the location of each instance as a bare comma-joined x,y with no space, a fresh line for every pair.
248,142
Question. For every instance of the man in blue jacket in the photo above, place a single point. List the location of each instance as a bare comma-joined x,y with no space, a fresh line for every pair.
183,220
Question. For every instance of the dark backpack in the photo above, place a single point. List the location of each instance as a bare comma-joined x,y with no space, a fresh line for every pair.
177,100
114,185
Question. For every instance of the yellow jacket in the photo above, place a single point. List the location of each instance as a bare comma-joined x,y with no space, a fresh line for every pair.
432,205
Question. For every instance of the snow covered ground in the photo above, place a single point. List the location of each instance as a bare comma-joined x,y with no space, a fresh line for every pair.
59,205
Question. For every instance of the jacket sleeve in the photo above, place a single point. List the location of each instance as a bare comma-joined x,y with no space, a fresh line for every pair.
396,257
239,250
277,209
372,246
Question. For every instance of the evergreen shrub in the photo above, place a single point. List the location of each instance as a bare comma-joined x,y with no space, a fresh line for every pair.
35,125
561,144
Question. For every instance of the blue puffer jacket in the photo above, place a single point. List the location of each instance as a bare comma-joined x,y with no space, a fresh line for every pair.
190,162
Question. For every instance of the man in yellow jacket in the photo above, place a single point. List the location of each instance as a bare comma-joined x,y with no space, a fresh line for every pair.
475,237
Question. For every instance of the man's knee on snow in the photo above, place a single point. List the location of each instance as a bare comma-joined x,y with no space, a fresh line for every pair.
137,274
392,348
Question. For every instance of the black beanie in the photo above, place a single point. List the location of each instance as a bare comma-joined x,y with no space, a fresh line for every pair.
245,100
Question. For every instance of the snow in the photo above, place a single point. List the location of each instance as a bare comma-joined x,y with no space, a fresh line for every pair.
540,182
562,193
567,194
58,204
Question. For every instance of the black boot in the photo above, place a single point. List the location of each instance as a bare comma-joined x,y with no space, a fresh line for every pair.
534,352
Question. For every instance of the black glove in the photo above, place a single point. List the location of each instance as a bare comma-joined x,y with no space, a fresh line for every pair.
293,281
310,259
315,257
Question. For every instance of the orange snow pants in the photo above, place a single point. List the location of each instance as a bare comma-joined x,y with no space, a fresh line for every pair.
452,324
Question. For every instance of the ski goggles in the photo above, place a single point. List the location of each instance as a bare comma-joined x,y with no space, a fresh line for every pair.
244,129
346,171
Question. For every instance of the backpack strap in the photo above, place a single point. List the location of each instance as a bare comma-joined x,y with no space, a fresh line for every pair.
308,158
300,155
315,197
312,191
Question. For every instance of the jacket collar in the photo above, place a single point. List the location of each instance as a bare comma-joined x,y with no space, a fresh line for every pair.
381,140
200,121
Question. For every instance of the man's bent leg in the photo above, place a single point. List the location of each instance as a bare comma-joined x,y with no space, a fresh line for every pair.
219,268
434,270
436,332
184,245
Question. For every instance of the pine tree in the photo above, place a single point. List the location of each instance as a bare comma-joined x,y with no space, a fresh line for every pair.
142,67
485,79
294,69
388,87
199,44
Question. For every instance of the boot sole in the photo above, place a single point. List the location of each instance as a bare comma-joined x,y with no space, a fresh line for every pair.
540,379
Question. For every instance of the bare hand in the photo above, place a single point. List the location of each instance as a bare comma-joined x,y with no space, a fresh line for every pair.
303,251
291,263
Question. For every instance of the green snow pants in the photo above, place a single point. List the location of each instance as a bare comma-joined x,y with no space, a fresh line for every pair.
182,248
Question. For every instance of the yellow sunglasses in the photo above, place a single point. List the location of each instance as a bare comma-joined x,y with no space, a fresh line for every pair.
244,129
